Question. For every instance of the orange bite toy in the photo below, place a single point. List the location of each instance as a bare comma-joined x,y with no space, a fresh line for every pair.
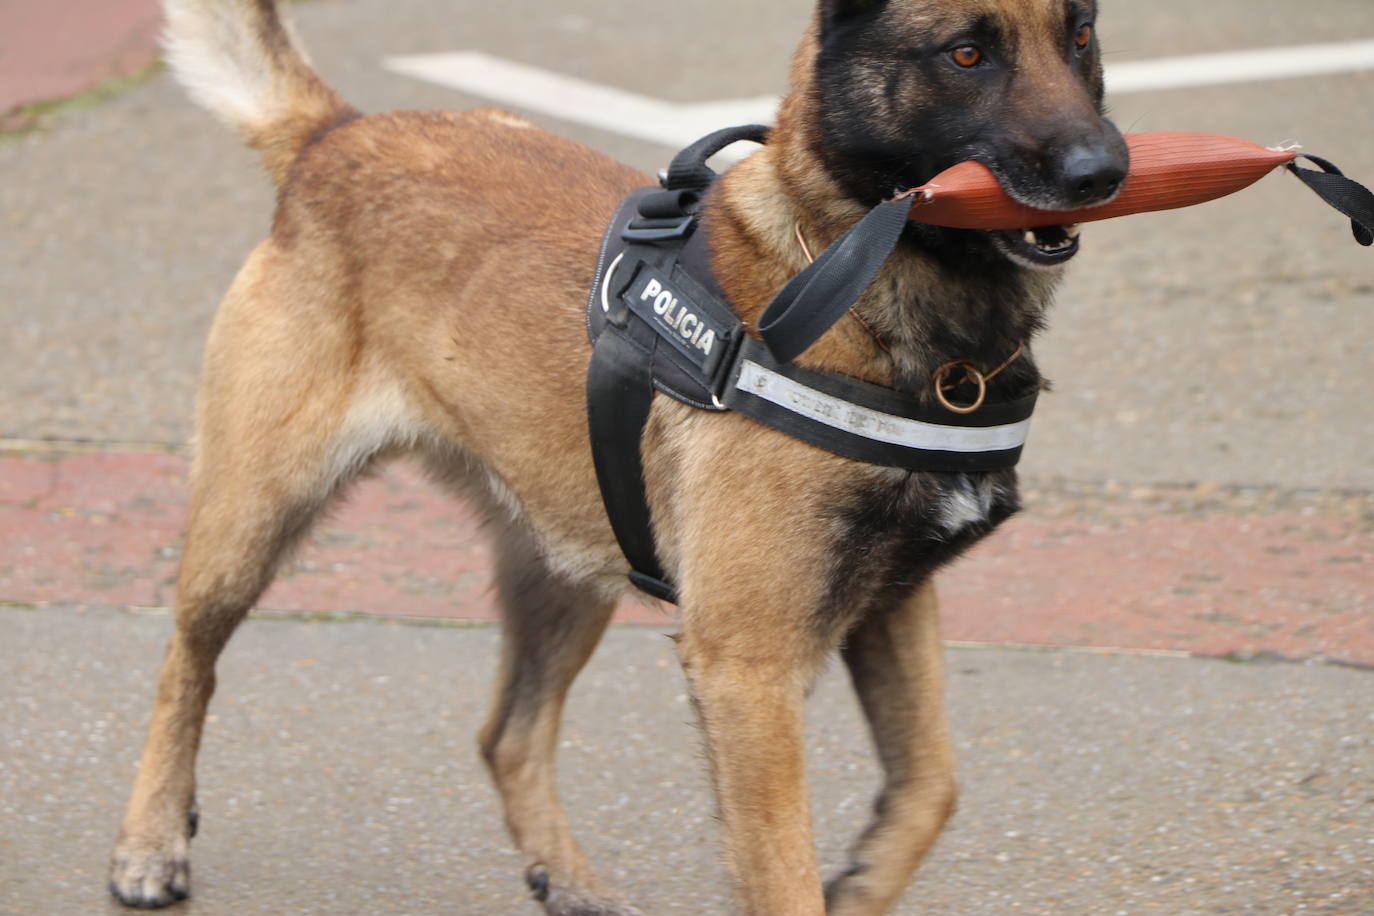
1168,170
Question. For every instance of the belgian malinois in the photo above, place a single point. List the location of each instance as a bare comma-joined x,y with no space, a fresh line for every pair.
421,293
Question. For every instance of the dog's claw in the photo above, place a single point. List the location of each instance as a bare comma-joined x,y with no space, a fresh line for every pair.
564,901
538,880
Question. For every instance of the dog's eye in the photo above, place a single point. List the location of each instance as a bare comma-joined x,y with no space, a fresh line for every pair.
1083,37
967,56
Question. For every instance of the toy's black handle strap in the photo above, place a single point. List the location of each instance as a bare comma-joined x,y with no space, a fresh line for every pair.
816,298
1350,197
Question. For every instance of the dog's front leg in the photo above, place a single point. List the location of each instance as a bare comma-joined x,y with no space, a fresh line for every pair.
748,684
895,660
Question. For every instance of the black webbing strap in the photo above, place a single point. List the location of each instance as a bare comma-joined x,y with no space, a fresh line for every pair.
620,391
621,378
819,296
1350,197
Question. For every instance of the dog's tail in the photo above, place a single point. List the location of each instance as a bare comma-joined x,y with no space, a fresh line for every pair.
241,60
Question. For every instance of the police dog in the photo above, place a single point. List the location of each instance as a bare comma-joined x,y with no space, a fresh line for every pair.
422,293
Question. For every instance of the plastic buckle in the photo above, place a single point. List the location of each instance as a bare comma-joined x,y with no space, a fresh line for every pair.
652,231
727,368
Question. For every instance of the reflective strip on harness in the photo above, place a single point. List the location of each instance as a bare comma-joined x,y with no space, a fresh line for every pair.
856,420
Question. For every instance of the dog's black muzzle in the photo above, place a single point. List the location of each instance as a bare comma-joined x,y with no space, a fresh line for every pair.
1068,168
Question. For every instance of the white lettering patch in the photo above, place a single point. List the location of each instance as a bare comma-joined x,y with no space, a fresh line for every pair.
676,315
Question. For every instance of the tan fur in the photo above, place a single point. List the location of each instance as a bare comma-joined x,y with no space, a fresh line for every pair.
421,294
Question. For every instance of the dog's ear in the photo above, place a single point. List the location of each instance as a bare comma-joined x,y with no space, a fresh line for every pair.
837,12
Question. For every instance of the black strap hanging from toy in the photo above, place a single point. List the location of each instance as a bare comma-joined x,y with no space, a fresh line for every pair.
816,298
1350,197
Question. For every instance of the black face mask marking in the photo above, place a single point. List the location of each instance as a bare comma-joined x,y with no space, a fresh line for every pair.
905,93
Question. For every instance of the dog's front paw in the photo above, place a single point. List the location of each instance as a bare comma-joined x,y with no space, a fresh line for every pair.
149,874
561,900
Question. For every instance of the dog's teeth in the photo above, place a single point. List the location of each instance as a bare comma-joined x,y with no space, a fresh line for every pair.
1030,237
1072,230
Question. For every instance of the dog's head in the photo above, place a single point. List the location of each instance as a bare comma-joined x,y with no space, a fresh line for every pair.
903,89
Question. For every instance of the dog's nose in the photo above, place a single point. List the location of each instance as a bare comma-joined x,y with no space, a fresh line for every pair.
1089,175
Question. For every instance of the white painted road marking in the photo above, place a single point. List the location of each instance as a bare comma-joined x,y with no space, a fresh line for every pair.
676,124
1239,67
571,99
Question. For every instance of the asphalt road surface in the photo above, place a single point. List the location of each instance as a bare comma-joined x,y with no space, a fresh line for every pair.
340,775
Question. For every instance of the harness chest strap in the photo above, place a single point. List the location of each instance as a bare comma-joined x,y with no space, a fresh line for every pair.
659,323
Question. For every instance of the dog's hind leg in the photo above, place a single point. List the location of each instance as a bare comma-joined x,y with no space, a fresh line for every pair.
551,627
895,661
274,447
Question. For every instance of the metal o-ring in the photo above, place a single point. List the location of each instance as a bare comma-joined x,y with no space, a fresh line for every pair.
971,373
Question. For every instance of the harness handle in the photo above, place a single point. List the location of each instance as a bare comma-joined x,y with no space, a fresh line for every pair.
689,171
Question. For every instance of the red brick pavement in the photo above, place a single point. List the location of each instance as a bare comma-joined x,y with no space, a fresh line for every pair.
104,527
55,48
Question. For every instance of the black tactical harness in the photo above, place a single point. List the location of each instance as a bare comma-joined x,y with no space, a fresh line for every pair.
659,322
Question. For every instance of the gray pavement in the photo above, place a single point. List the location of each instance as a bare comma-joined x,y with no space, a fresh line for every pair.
1226,343
339,775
